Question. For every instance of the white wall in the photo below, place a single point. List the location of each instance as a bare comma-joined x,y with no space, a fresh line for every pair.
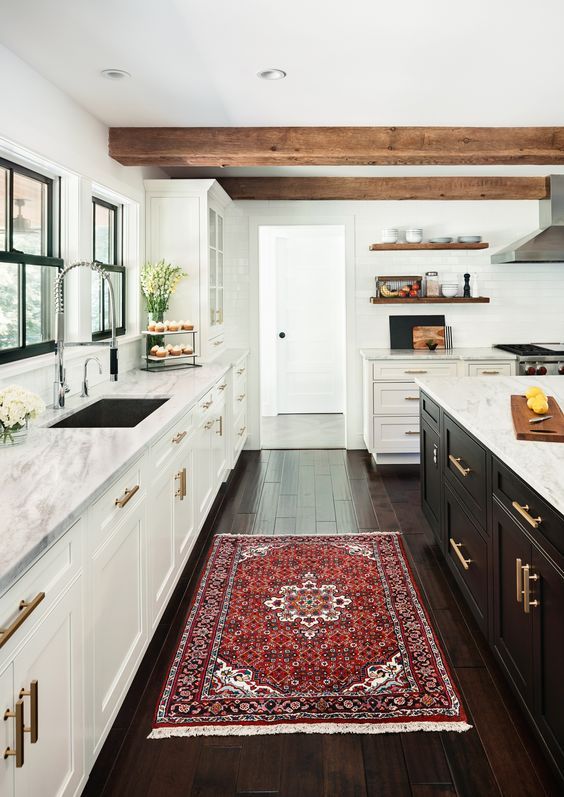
526,300
39,125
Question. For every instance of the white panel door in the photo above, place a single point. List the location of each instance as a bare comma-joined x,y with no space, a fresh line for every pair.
161,565
7,732
310,288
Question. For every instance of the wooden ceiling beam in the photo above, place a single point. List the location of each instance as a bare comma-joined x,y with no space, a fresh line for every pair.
386,188
336,146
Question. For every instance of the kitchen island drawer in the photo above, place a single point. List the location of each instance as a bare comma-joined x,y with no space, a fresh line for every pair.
394,398
430,411
490,369
467,554
409,370
534,514
465,465
396,434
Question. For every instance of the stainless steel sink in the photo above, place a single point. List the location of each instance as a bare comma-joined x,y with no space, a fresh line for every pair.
111,413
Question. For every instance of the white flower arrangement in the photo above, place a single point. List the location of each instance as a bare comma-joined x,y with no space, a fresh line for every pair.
158,282
17,407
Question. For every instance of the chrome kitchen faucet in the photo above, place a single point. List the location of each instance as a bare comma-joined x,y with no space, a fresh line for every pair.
60,386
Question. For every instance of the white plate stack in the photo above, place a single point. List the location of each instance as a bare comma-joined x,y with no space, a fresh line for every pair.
390,235
414,235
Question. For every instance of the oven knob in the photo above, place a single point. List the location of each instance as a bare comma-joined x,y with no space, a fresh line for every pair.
561,369
530,370
541,370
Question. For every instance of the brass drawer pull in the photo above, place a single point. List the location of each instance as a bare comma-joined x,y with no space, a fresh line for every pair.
217,342
18,750
242,431
127,496
240,371
223,386
456,462
456,546
411,398
207,404
519,580
527,578
181,476
415,371
411,432
32,693
208,425
178,438
241,397
220,421
524,512
490,373
25,609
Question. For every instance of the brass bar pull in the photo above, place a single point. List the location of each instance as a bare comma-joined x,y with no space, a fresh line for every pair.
178,438
18,750
456,462
489,373
220,421
411,432
456,546
524,512
527,578
181,476
25,608
415,371
241,397
126,497
411,398
519,580
33,729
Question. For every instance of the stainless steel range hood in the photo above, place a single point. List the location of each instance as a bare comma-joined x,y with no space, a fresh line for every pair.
547,244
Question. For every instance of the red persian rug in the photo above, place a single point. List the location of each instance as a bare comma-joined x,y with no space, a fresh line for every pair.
315,634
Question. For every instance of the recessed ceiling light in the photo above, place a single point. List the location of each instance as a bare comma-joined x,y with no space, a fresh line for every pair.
272,74
115,74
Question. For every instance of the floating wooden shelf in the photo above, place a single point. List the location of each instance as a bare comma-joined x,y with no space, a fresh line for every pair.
394,247
430,300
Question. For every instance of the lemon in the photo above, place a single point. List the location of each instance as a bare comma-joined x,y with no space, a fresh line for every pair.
535,391
538,404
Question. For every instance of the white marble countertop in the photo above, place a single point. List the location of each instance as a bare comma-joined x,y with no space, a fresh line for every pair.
50,481
482,406
482,353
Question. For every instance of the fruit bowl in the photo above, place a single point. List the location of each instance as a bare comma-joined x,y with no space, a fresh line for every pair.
398,287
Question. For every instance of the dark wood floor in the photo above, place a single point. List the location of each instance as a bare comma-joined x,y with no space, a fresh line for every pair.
329,492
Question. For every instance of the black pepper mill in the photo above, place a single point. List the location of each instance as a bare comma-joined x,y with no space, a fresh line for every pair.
467,286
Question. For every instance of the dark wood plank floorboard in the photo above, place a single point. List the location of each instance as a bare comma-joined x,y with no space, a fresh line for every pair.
318,491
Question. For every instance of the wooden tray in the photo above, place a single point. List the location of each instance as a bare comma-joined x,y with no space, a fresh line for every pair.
422,334
521,415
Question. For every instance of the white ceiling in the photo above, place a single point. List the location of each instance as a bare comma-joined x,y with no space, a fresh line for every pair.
363,62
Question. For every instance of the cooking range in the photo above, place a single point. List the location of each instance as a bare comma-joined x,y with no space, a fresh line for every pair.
537,359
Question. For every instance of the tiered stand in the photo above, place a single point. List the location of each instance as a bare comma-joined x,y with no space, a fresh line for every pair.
172,362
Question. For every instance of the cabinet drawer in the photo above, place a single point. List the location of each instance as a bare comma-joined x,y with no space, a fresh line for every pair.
489,369
465,466
408,370
240,432
216,344
220,389
205,407
467,554
239,395
430,411
394,398
118,501
49,575
396,434
535,515
172,441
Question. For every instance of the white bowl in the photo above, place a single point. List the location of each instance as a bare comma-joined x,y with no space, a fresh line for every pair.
449,291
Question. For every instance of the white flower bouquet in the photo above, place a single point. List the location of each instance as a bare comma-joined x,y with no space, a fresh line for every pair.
17,408
158,282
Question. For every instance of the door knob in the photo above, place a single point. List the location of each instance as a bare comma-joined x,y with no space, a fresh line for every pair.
281,334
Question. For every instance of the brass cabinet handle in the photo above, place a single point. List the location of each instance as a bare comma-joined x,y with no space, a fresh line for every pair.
209,425
241,397
223,386
240,371
456,462
25,608
524,512
242,431
411,398
127,496
415,371
456,546
527,578
217,342
220,421
181,476
207,404
178,438
18,750
492,373
411,432
519,580
32,693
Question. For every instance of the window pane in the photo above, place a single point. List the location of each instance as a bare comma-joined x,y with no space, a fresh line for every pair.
220,232
220,269
213,270
212,230
96,303
9,301
213,308
116,278
3,195
29,215
104,228
39,315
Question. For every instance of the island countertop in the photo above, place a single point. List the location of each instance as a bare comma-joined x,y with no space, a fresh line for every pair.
477,353
50,481
482,406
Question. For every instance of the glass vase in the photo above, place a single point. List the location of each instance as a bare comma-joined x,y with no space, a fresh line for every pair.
13,437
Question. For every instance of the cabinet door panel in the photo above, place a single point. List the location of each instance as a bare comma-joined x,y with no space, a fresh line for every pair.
202,471
160,542
7,728
465,468
52,656
512,627
431,477
219,434
549,649
183,511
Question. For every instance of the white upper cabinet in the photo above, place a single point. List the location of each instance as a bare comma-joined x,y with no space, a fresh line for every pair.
185,225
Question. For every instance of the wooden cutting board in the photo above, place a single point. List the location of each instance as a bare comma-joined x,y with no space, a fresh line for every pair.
422,334
553,429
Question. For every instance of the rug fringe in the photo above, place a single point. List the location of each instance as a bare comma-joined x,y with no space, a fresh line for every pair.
311,534
317,727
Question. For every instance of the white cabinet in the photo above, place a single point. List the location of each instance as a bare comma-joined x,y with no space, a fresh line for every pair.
7,731
219,434
183,507
203,481
185,224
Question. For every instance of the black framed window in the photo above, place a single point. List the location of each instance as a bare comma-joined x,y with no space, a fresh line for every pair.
107,228
28,269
